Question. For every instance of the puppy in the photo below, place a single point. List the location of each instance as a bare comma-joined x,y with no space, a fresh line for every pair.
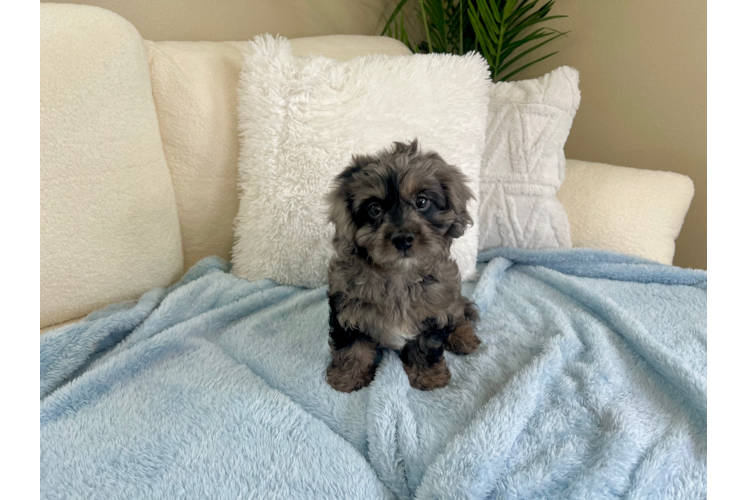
392,281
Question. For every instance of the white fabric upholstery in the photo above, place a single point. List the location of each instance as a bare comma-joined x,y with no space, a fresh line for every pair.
629,210
109,227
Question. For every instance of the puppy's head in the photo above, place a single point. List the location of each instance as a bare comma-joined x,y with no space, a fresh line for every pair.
400,208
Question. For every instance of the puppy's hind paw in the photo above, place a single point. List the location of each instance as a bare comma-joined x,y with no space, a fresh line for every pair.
463,340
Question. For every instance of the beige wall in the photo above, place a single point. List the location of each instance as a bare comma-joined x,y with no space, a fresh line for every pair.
221,20
642,66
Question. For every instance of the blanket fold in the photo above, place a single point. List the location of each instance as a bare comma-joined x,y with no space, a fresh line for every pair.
590,383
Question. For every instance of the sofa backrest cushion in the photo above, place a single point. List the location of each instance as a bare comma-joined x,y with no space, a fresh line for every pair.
109,226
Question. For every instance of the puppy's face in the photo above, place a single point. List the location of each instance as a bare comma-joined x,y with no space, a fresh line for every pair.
399,209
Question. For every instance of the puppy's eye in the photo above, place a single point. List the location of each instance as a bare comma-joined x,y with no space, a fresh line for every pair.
374,210
422,203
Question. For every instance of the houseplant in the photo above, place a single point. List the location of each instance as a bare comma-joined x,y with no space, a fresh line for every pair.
505,32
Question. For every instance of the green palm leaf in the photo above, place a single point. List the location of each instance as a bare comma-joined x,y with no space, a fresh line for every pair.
392,17
528,65
506,64
505,32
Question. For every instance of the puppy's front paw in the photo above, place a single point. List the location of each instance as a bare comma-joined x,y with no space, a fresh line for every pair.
425,378
349,380
463,340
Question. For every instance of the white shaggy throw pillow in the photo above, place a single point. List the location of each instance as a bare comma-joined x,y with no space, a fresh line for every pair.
301,120
523,166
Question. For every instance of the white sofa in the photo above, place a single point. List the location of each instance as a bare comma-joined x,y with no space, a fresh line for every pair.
139,151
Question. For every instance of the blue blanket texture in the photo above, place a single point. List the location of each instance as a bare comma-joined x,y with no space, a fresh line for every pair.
590,383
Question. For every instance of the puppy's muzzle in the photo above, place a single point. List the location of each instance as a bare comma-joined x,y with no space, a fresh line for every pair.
403,241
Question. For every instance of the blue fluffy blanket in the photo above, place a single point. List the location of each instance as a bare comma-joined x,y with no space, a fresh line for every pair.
590,383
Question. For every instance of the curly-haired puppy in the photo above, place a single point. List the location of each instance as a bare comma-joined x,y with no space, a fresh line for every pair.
392,281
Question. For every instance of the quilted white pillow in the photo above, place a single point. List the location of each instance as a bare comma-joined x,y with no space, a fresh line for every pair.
523,166
301,119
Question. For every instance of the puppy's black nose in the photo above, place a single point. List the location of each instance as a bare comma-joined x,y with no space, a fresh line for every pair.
402,241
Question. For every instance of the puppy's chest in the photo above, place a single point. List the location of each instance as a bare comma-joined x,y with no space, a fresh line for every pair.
393,330
397,315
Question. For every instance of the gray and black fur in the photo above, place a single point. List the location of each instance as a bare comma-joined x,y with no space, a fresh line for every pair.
392,281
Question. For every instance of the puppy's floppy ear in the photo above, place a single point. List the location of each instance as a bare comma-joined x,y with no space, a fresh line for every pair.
340,196
340,202
457,194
